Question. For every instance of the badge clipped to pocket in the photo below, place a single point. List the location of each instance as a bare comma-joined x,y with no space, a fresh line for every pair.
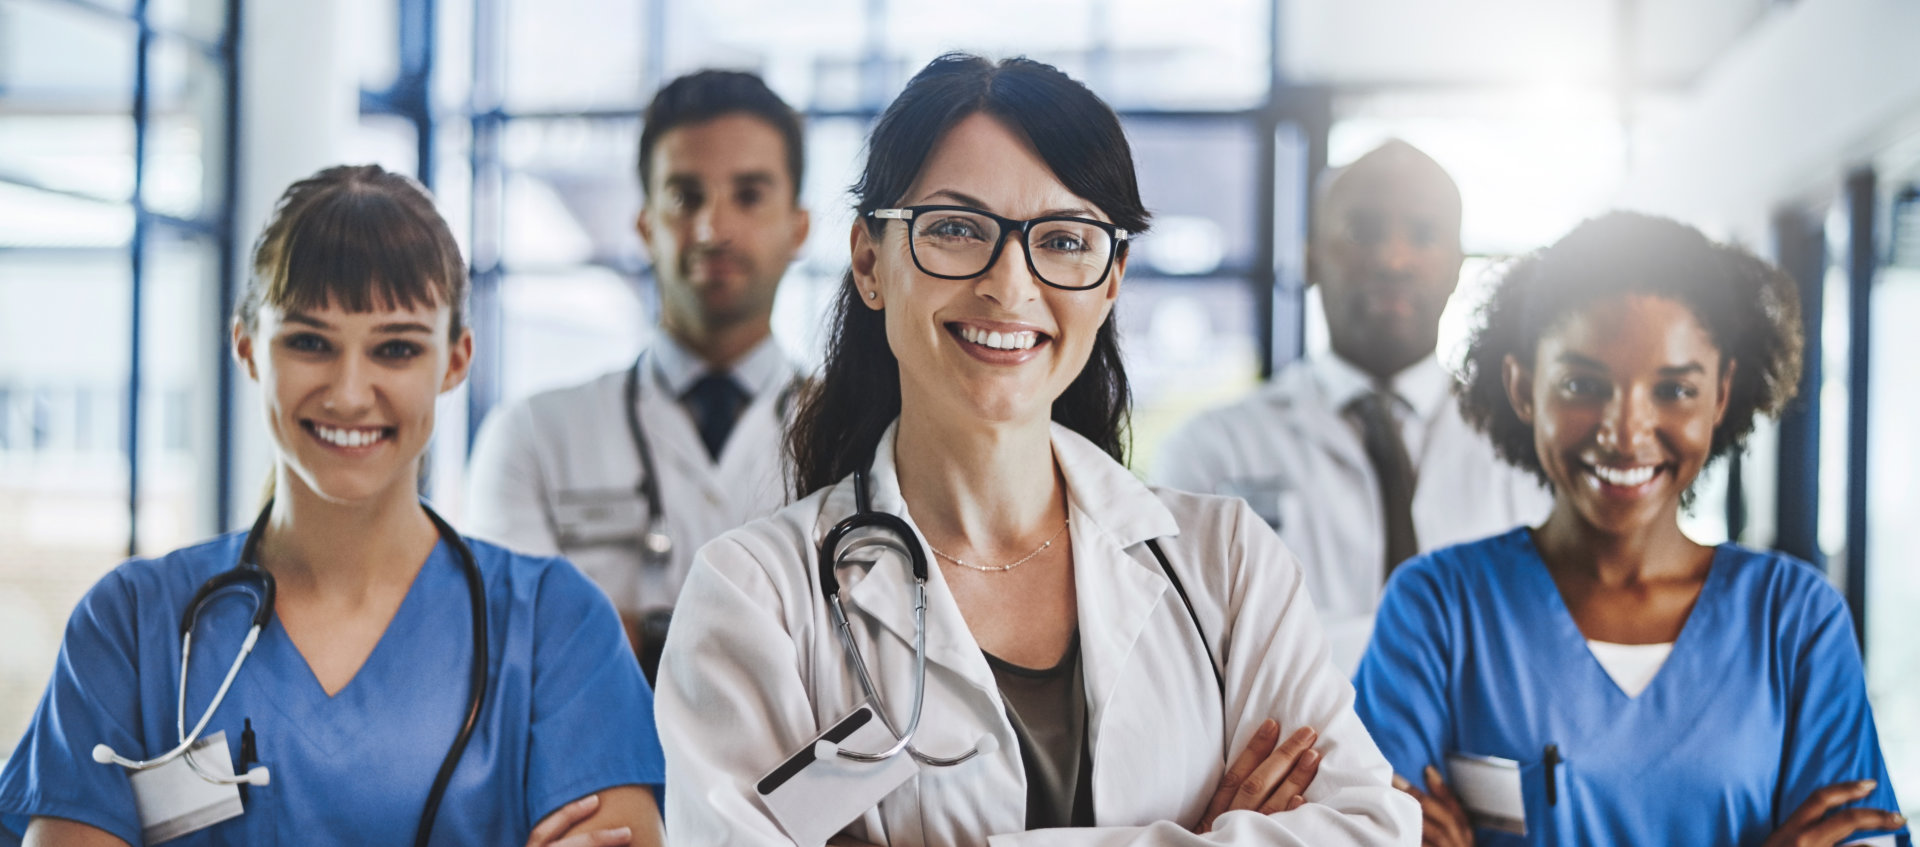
1489,788
174,800
814,796
598,517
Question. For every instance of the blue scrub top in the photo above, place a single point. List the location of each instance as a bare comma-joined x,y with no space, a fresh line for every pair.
1761,702
567,712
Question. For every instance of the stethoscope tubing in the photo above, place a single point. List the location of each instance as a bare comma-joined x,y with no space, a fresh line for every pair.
865,518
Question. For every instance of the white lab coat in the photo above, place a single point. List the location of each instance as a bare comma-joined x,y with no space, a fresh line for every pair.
1301,465
753,671
572,445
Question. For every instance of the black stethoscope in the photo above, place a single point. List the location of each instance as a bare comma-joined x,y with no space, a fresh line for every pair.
904,540
248,570
656,546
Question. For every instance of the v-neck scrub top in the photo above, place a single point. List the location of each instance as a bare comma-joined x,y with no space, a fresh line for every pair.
567,712
1761,702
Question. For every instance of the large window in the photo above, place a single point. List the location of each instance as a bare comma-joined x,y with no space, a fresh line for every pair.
114,180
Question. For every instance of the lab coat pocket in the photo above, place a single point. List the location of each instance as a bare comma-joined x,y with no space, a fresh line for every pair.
1544,784
596,517
1273,498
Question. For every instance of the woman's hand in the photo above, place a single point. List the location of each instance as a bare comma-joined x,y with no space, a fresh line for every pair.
1443,821
1810,826
1266,777
549,832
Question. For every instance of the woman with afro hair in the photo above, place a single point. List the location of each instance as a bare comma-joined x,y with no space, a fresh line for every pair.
1602,678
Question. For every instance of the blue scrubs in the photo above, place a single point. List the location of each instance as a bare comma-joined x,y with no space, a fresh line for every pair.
1761,702
567,712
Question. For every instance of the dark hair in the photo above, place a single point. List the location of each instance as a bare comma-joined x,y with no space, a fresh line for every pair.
842,417
705,95
1749,308
358,237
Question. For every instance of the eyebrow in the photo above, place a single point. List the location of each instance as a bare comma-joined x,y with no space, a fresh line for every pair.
393,327
1688,369
970,200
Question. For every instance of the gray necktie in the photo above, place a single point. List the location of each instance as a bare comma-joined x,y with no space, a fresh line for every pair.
1380,432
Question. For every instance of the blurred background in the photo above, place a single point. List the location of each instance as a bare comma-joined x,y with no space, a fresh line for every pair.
143,141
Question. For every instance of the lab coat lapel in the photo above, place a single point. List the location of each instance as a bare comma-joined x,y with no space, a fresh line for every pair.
1117,593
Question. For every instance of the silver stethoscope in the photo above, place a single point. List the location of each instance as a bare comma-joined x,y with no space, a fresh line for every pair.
248,570
656,546
904,540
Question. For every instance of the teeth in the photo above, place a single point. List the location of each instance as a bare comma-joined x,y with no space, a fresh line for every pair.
1625,477
1000,340
349,437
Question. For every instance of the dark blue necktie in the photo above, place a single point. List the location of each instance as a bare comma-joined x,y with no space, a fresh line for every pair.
715,402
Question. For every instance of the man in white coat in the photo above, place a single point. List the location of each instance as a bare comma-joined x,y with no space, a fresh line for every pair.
1359,457
630,473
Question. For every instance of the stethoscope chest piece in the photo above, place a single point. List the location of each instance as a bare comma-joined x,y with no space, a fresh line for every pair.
657,545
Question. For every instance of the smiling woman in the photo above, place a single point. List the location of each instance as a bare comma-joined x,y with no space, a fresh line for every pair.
1085,650
376,702
1620,677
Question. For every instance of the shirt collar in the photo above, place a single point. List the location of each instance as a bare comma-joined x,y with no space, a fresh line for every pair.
762,370
1422,386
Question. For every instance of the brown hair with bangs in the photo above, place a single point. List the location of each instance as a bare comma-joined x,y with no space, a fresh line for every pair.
359,237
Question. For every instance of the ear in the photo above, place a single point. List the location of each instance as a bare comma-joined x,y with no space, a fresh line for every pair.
1119,275
866,255
459,361
243,350
802,227
1725,393
1518,380
644,225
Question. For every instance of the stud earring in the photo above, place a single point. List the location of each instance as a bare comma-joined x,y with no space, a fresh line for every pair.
872,294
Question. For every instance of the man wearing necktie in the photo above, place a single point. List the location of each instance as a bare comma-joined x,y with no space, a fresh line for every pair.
1358,456
564,472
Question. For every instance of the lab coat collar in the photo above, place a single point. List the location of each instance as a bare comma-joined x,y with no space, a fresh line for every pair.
763,369
1112,511
1422,387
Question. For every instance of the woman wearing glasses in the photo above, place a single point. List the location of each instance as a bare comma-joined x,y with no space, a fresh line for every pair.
1084,651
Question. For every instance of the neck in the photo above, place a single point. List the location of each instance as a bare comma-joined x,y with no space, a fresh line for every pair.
1658,551
988,484
1382,365
315,546
720,346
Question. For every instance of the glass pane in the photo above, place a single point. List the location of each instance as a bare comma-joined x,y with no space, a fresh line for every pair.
575,54
376,49
810,53
916,32
63,472
567,326
86,154
1893,638
202,19
1201,54
571,192
181,348
30,218
1198,178
835,155
385,140
185,133
1190,345
55,54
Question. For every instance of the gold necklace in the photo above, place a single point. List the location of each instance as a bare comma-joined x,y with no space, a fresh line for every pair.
1006,567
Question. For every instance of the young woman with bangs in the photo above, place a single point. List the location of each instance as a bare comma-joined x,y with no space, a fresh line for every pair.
358,672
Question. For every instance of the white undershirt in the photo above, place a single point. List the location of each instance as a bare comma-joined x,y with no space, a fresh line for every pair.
1632,666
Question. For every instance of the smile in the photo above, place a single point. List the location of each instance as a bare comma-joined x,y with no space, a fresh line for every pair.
1000,340
1626,477
351,438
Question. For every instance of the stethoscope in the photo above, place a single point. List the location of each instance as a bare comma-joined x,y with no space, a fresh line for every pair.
865,518
248,570
656,546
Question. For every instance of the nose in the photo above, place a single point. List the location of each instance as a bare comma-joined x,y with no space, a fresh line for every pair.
351,392
715,221
1627,426
1396,252
1010,281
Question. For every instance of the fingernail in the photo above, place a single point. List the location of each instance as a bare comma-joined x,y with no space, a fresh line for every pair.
1866,784
1401,783
1899,819
1268,727
1432,772
1310,757
588,801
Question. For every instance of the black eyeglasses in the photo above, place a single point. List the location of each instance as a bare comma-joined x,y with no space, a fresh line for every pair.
961,242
